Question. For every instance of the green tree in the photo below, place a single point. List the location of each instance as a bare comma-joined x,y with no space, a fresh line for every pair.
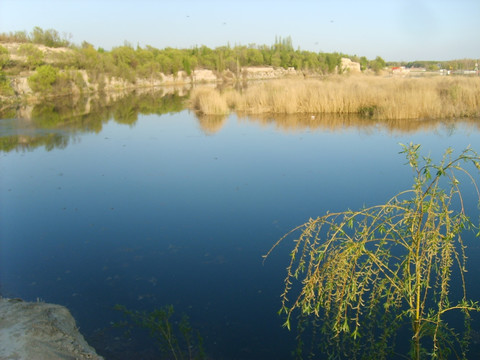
87,57
149,70
310,61
363,63
187,65
276,60
37,35
363,275
254,57
377,65
332,61
297,61
125,56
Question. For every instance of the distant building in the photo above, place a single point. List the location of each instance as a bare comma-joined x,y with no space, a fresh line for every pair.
400,70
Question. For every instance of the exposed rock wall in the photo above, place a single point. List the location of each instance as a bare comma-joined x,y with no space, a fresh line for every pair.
20,86
40,331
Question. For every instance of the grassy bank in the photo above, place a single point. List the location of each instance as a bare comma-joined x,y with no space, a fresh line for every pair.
371,96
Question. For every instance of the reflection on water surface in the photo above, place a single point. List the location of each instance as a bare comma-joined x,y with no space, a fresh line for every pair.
54,122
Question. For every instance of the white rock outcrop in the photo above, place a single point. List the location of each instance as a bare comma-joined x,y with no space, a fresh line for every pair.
348,65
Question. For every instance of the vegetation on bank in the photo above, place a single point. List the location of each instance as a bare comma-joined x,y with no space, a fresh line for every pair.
50,37
373,97
59,66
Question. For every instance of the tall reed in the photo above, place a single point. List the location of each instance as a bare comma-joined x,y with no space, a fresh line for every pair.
375,97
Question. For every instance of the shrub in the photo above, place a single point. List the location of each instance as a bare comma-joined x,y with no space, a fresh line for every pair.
49,37
4,57
174,338
5,88
43,79
35,56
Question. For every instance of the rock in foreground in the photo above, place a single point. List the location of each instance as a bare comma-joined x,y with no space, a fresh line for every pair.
40,331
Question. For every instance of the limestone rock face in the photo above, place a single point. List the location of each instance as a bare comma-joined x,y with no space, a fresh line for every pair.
40,331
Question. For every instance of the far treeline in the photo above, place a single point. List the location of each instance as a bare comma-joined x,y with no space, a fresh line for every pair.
128,61
171,60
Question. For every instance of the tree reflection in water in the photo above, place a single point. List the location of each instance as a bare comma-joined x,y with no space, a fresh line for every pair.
53,122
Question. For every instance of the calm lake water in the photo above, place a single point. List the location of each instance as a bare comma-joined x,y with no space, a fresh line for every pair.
139,202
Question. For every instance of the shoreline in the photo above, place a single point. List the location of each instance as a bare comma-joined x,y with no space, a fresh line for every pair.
270,91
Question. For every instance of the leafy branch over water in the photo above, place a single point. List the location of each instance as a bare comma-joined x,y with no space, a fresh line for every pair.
371,273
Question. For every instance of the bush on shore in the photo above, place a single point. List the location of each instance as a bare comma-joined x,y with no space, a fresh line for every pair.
43,79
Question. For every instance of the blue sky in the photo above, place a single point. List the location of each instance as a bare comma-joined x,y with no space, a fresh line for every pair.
395,30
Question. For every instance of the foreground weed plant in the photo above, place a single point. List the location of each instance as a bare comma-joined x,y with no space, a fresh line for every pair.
175,339
361,277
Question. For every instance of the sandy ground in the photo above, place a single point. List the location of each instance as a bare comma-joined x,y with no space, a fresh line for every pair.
40,331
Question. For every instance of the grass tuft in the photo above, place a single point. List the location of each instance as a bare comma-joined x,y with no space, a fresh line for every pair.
208,101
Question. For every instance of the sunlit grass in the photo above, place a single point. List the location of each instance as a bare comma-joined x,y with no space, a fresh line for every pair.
375,97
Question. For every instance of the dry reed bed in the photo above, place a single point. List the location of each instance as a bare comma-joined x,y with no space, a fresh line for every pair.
376,97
